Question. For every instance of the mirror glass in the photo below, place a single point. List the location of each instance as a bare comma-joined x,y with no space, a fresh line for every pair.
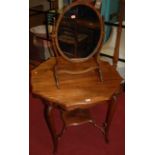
79,32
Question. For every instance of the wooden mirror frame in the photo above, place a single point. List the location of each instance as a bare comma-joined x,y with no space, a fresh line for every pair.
74,66
101,25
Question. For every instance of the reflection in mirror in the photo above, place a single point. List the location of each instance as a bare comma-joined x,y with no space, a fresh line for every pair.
79,32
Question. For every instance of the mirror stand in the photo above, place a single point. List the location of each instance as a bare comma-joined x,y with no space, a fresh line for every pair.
87,63
63,66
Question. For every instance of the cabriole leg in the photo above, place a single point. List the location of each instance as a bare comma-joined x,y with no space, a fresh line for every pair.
51,125
109,116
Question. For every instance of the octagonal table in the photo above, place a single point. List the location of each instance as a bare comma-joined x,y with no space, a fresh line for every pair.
76,95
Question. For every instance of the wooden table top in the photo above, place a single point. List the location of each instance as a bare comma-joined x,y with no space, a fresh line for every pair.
76,91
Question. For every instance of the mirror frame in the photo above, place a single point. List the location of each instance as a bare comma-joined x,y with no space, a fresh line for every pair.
101,24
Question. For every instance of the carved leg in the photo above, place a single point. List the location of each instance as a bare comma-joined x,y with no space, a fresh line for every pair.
109,117
64,125
50,122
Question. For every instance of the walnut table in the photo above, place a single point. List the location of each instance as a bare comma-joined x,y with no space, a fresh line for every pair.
76,95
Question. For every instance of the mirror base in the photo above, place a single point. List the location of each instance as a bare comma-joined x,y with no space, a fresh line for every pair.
64,67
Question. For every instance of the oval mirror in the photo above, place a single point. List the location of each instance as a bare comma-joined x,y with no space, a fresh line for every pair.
79,32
